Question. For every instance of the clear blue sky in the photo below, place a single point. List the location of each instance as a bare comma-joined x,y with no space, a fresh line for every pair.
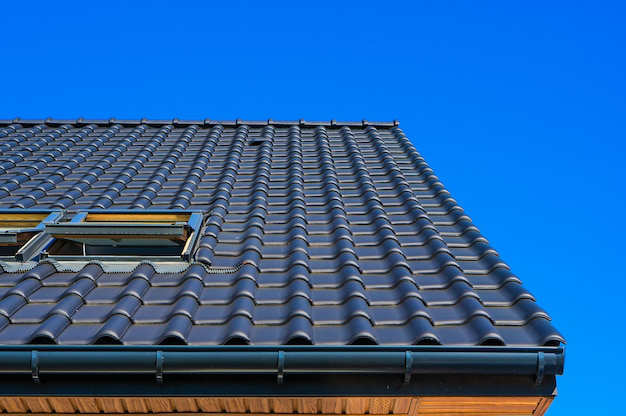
518,106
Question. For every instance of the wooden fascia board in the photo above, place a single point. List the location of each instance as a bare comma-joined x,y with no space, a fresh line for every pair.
240,406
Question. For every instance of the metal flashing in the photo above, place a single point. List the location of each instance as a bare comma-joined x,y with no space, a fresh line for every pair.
159,265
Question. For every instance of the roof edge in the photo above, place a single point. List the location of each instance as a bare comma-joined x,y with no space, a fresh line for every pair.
283,359
46,370
205,122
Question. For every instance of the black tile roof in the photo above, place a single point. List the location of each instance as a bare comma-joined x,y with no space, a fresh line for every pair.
332,233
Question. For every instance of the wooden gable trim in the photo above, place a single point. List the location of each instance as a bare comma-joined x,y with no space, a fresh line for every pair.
543,405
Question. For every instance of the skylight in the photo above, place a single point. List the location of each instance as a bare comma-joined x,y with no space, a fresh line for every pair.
111,235
21,235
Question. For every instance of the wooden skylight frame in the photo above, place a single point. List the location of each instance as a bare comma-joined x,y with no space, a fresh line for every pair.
125,235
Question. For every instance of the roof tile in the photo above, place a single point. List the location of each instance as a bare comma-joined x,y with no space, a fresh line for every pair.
326,233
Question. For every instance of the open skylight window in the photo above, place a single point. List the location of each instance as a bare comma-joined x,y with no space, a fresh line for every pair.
125,235
21,232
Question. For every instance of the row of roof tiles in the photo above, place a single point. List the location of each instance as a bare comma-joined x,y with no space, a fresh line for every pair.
335,235
146,302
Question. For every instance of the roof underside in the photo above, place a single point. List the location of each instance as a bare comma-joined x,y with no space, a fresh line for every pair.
400,406
315,233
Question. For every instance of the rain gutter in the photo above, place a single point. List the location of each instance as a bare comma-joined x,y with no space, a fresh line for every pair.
161,361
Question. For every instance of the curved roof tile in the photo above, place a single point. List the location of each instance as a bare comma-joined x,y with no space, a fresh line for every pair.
328,233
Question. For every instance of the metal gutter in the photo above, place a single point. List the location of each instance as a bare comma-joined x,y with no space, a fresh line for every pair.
279,360
203,123
277,371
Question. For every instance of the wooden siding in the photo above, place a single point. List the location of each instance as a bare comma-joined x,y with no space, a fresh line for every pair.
246,406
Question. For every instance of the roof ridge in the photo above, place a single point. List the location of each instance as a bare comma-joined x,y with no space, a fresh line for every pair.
205,122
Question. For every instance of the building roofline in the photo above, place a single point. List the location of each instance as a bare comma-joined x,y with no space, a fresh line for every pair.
206,122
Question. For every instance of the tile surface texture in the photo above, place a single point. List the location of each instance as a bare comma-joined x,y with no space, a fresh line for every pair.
333,234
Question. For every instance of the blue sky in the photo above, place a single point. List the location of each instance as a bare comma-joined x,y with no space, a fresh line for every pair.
518,106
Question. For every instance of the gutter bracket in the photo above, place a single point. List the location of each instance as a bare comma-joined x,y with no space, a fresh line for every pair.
159,367
281,367
541,362
34,367
408,367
